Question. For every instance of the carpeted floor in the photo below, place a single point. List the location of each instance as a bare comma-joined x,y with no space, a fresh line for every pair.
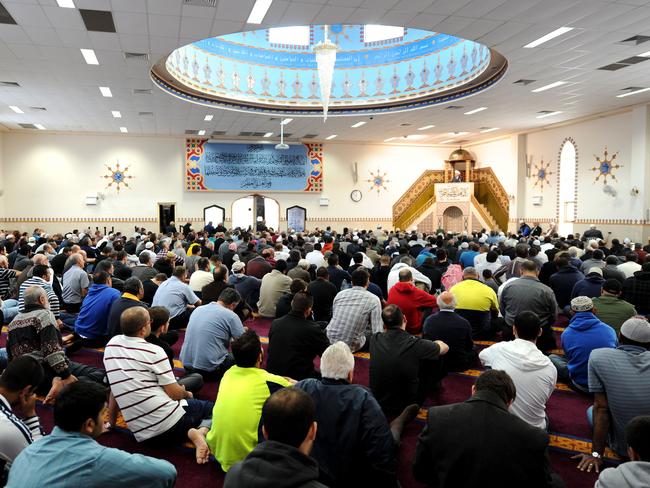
570,432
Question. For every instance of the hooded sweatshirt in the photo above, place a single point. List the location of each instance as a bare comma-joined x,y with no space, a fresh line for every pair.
584,334
533,374
628,475
411,300
277,465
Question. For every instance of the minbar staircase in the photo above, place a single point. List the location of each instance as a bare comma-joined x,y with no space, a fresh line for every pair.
490,202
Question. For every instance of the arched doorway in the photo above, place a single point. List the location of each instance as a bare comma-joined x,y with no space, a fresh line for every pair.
214,214
253,210
452,219
567,186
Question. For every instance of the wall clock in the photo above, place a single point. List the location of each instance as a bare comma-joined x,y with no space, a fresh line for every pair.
356,195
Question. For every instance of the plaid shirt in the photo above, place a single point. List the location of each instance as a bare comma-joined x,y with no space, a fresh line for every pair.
636,290
355,310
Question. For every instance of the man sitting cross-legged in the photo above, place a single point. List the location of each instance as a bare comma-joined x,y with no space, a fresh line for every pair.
403,368
283,460
355,445
505,451
70,456
34,333
155,407
238,409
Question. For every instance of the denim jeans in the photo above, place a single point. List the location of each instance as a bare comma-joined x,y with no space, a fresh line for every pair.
9,310
561,363
4,359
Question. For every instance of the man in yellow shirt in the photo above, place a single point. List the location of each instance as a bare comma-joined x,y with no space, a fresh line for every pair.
242,392
477,303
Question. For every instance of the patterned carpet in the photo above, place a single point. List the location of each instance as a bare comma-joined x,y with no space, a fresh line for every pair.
570,432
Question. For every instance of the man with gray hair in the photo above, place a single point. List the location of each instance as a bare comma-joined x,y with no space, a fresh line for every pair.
354,444
455,331
34,332
75,284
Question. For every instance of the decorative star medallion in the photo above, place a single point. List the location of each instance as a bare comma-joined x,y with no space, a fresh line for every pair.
117,176
378,181
605,167
541,174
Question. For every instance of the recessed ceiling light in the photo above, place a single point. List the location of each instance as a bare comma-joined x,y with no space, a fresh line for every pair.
65,3
90,56
550,114
268,134
39,126
16,109
201,133
208,118
106,91
123,130
426,127
491,129
549,36
461,133
446,141
286,121
623,95
358,124
475,111
330,137
116,114
644,55
390,139
259,11
549,86
416,136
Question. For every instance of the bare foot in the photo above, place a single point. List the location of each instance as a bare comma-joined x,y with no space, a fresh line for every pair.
202,450
57,386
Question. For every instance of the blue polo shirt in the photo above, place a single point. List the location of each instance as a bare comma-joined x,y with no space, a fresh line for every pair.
64,459
92,321
175,296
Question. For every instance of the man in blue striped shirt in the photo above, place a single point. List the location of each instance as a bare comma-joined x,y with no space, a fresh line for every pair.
17,385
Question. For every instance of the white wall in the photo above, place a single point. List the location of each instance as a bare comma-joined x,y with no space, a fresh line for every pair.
2,181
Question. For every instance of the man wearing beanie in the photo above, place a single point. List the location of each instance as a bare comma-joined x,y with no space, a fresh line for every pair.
584,334
620,381
610,307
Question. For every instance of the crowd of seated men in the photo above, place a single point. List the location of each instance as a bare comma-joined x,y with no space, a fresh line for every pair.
414,303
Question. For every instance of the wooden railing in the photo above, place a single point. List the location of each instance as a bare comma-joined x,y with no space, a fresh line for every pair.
484,213
489,191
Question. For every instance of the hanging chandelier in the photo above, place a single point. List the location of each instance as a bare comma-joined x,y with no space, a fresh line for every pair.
325,52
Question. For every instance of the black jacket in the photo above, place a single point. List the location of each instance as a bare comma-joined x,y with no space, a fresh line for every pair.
562,284
497,448
324,293
456,332
274,465
294,342
354,446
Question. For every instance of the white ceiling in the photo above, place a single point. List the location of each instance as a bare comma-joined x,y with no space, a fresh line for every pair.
42,54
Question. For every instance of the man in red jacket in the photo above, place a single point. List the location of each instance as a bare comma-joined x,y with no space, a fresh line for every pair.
411,300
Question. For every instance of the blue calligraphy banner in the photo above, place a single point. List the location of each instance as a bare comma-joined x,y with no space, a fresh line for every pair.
253,167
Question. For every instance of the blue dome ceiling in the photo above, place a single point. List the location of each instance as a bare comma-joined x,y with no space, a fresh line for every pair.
378,69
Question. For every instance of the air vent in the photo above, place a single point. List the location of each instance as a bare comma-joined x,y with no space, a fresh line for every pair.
632,88
192,132
633,60
201,3
258,134
145,114
38,109
524,82
97,20
286,136
613,67
28,126
218,133
9,83
634,40
245,134
405,125
137,56
142,91
544,112
5,16
310,136
454,107
274,119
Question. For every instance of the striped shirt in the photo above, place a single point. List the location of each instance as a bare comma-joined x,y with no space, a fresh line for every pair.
51,296
624,375
15,435
137,372
6,275
354,312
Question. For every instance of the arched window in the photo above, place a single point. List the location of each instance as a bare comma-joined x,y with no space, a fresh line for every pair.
254,210
567,187
214,214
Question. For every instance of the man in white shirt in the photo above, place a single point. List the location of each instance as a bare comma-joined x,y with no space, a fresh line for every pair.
202,276
533,373
155,407
631,265
315,257
17,385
